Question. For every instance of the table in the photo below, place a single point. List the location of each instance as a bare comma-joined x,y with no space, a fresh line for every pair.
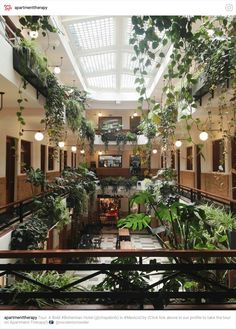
126,245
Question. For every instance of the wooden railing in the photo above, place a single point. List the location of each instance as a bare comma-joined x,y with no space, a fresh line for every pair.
194,195
192,265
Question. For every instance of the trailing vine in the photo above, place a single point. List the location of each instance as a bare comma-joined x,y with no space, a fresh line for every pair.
201,47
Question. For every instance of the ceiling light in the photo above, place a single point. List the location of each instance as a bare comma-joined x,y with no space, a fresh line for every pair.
61,144
178,143
203,136
39,136
57,70
154,151
73,148
82,151
34,34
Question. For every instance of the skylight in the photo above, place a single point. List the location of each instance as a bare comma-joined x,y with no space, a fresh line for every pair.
101,48
106,81
98,63
93,34
128,64
127,81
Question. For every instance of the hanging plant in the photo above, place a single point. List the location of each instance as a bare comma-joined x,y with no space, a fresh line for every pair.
207,49
54,109
36,23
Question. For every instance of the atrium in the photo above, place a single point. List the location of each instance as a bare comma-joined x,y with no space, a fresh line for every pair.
118,162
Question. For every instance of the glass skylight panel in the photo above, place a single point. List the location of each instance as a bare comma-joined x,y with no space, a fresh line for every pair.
128,64
105,81
127,81
92,34
98,63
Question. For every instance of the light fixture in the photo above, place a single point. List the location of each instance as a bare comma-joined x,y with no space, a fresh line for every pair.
154,151
178,143
135,114
34,34
61,144
57,68
73,148
203,136
99,152
1,104
82,151
39,136
100,114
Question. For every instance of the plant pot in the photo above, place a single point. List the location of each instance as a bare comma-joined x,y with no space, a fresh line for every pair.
232,239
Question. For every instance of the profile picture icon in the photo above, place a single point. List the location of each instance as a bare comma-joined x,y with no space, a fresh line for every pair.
50,321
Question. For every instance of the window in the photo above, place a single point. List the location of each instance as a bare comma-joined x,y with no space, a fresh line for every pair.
50,158
218,155
65,159
25,155
110,161
189,152
134,123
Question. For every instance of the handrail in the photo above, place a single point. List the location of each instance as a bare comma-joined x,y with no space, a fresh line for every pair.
68,253
208,194
12,204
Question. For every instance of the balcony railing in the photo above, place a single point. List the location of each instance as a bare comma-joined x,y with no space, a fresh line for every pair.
196,195
194,265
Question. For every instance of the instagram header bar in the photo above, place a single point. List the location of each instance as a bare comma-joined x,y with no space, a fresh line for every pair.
118,7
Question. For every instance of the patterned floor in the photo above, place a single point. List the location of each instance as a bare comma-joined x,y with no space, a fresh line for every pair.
139,241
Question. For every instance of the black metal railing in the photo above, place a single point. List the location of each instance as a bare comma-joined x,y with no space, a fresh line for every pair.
200,196
16,212
192,265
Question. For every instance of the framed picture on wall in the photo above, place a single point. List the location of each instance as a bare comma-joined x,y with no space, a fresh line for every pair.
110,123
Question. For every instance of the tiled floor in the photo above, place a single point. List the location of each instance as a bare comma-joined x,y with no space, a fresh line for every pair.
139,241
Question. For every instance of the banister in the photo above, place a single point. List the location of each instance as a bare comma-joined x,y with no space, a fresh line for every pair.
69,253
215,196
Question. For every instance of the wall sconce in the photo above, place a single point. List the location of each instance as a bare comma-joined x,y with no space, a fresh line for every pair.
61,144
57,68
1,102
154,151
100,114
82,151
33,34
38,136
178,143
73,148
99,152
203,136
135,114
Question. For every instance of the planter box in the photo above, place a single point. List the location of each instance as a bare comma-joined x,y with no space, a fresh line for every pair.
22,65
201,88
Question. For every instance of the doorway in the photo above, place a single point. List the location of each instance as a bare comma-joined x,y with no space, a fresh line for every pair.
233,166
198,167
10,169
